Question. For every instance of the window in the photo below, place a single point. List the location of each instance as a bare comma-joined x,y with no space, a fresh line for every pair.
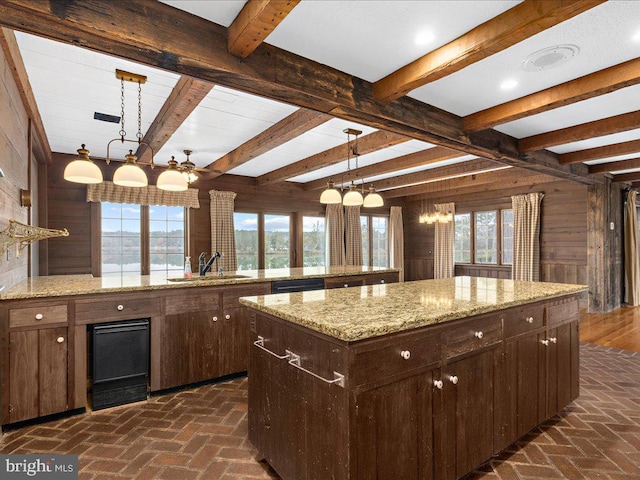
462,238
121,239
246,233
486,248
375,240
313,241
166,239
507,237
277,239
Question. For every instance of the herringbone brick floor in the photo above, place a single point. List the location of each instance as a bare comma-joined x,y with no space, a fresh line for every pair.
202,434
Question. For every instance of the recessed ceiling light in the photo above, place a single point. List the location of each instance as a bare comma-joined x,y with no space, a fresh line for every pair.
424,37
509,84
549,57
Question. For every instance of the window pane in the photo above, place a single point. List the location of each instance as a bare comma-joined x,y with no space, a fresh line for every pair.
246,232
276,241
364,225
313,242
507,237
486,237
120,238
166,239
380,241
462,238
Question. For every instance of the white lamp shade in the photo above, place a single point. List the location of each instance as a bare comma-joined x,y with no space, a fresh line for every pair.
83,171
373,200
172,180
330,195
130,175
353,198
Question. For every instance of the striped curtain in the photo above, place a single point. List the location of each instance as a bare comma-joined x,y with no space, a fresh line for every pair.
526,236
631,261
396,240
334,216
443,266
150,195
223,238
353,235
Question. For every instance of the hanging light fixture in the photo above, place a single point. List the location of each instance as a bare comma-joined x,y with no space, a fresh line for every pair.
188,168
130,174
172,179
354,196
82,169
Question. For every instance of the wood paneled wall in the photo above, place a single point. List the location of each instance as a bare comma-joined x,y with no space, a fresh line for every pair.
14,161
563,239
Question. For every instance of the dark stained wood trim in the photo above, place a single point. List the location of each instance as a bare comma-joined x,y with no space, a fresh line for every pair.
184,98
288,128
177,41
584,131
630,164
43,218
416,159
366,144
96,239
14,59
589,86
624,148
254,23
626,177
503,31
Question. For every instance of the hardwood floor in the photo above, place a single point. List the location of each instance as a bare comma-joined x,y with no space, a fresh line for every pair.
620,329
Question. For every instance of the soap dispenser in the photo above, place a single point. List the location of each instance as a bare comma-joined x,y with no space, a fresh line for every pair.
187,267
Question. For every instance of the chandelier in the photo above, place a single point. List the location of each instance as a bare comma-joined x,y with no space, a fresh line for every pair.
354,196
434,216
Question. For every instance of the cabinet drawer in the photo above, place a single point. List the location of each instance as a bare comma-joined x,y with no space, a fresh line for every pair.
32,316
204,301
343,282
121,308
373,363
563,311
523,320
231,295
377,279
471,335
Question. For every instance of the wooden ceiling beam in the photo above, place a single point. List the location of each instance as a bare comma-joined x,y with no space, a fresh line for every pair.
626,177
254,23
513,26
184,98
584,131
366,144
630,164
596,153
411,160
172,39
16,64
299,122
592,85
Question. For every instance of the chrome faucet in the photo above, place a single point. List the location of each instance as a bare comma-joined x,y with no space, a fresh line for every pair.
203,265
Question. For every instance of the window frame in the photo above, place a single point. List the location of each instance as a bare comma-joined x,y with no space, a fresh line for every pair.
499,238
369,217
294,233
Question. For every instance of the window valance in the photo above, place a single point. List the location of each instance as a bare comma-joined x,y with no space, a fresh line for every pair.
151,195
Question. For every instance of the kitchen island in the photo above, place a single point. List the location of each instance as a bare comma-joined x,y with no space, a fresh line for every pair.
417,380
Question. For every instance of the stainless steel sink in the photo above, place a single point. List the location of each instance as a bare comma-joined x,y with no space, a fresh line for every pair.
207,279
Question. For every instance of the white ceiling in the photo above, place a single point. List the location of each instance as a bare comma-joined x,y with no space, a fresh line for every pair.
368,39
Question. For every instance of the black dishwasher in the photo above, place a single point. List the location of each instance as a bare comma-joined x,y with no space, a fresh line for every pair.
298,285
120,363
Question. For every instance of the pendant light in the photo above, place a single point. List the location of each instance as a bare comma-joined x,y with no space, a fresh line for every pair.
130,174
188,168
353,198
373,199
330,195
82,169
172,179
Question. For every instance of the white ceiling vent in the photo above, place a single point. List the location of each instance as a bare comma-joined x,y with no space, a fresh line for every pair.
549,57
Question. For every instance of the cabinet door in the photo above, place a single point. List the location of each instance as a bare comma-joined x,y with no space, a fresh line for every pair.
464,416
52,375
562,385
233,342
23,376
394,437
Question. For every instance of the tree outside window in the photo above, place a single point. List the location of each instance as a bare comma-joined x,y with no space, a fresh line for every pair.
486,249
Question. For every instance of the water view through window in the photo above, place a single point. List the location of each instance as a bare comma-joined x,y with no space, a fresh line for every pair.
246,233
121,239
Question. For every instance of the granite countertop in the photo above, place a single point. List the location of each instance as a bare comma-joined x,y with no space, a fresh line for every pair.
61,285
358,313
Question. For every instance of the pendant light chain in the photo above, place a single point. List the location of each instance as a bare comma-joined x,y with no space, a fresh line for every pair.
122,131
139,134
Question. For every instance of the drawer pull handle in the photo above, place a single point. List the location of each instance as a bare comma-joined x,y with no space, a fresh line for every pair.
227,316
60,340
215,319
553,340
438,384
120,307
39,316
545,343
453,379
381,281
529,319
346,285
294,361
260,344
479,334
406,354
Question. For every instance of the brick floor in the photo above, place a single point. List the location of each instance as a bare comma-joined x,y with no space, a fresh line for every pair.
202,434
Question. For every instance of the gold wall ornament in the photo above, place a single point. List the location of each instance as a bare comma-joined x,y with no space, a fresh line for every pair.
22,235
